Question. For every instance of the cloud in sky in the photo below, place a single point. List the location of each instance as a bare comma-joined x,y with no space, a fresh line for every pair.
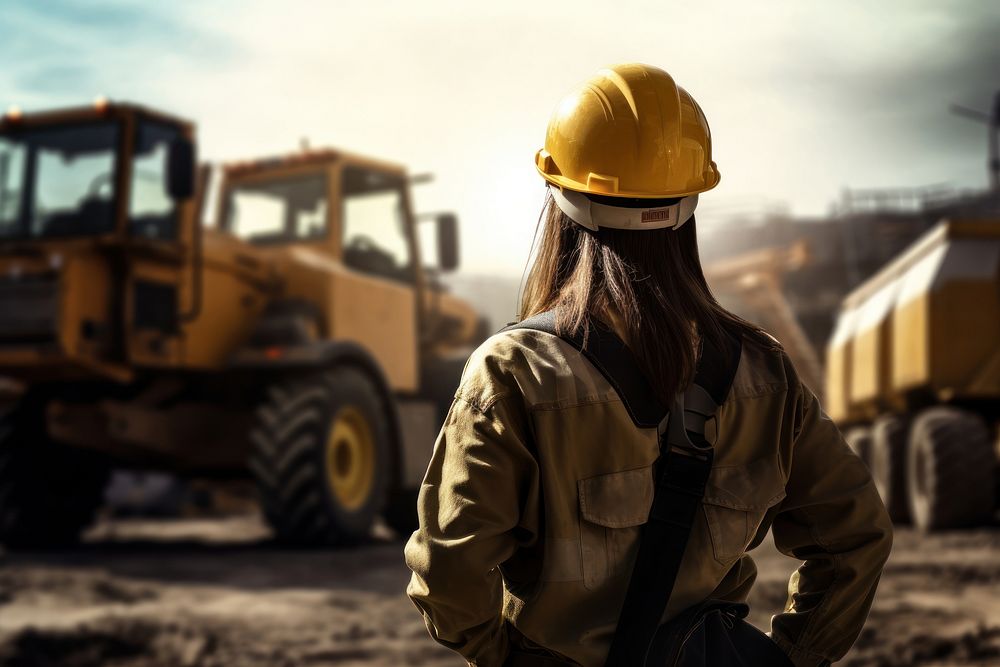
804,98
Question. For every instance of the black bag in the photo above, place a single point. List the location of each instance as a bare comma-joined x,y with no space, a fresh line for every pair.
713,633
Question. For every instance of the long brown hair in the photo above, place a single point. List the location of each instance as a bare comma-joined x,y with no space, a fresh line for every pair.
647,283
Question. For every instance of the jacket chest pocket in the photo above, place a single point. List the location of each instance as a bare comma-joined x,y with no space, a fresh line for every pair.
736,501
613,508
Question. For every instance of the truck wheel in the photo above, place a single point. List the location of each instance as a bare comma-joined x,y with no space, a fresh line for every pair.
951,469
888,465
859,439
48,492
321,457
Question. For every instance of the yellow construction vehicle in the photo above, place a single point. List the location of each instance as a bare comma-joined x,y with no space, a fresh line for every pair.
750,284
913,375
302,342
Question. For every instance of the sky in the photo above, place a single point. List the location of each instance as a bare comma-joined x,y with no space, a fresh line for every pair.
804,98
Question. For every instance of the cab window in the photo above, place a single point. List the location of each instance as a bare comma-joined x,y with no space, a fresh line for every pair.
58,180
279,211
12,161
374,223
152,212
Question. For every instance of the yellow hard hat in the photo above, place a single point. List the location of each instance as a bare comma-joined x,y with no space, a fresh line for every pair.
629,131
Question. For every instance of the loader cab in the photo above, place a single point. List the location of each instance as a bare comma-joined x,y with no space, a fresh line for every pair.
86,195
354,210
341,232
107,171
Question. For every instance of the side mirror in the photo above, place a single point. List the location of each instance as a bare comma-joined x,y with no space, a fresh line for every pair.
181,169
447,241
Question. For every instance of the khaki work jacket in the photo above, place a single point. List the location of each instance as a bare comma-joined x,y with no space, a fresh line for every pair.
531,508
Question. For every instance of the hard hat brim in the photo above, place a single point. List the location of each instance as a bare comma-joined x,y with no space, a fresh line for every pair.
569,184
586,212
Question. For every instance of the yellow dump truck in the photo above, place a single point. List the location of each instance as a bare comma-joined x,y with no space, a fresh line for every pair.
302,342
913,376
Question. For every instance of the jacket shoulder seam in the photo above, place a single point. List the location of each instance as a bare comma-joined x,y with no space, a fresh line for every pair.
481,405
554,406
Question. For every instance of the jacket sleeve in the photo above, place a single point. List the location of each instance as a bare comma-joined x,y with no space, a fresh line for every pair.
475,507
832,519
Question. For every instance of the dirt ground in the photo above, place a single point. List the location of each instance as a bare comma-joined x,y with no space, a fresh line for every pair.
206,593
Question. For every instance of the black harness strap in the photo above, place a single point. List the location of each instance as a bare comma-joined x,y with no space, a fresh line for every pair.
683,467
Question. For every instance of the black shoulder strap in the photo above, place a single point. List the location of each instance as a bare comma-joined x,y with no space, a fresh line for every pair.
682,470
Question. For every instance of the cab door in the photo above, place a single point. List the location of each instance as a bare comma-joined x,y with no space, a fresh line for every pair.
157,278
374,298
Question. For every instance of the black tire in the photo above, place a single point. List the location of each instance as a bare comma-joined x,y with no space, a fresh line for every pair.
48,492
294,458
889,465
951,470
859,439
401,512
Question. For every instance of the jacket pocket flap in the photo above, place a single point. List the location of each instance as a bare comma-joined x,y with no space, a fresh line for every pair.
617,499
754,486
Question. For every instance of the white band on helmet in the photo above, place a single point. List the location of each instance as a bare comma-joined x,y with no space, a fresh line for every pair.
590,214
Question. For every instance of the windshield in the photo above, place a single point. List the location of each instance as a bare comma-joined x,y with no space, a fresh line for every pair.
58,181
282,210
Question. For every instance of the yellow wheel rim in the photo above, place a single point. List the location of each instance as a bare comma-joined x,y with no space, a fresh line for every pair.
350,458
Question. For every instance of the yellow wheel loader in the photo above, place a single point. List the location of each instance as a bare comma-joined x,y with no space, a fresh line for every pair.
913,376
302,341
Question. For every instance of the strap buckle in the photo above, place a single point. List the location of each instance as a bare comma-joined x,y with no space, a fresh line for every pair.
674,436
